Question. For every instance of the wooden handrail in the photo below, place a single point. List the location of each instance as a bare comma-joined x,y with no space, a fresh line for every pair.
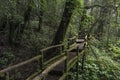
74,37
30,60
24,63
20,64
46,64
51,47
72,46
55,46
46,71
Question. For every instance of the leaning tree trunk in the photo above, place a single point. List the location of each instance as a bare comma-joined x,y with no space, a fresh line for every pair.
60,34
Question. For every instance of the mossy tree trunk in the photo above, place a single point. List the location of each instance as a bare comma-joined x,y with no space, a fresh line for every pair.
68,11
40,15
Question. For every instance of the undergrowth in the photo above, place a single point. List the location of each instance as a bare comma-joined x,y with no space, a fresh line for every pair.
101,63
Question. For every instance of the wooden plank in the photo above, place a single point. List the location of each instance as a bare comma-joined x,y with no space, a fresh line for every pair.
71,63
53,59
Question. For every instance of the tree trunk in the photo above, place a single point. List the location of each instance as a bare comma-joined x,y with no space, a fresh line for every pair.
102,22
60,34
40,20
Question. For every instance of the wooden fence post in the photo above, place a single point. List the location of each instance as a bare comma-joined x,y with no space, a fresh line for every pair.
68,44
61,49
66,65
42,63
77,66
41,60
7,76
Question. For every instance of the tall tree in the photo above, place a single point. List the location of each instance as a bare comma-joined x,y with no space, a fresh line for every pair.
68,11
40,13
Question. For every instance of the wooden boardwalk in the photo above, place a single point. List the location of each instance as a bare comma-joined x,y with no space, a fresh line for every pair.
57,72
57,67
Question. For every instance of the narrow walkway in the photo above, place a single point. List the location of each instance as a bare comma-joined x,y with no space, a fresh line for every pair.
58,71
56,67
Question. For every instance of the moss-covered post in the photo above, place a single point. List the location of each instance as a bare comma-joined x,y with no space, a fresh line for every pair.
66,66
68,45
7,76
77,64
84,54
41,61
61,48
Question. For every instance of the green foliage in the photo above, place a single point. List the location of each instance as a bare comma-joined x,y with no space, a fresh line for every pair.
105,67
101,69
6,58
87,20
80,3
17,18
115,49
115,52
36,40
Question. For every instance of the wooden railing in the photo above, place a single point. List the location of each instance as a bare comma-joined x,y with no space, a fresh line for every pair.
48,65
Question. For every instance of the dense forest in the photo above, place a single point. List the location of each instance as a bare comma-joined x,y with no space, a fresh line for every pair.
28,26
